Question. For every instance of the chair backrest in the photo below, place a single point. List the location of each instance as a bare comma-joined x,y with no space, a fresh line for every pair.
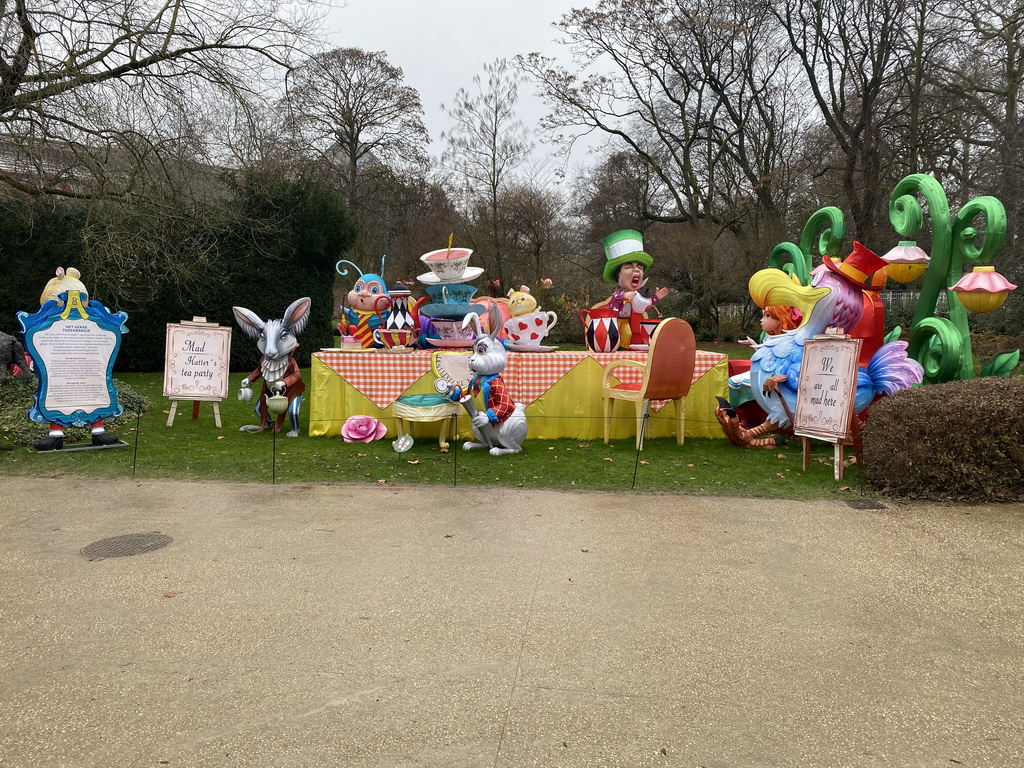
670,361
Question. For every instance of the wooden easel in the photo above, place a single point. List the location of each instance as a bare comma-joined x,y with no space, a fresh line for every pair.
195,410
217,346
854,439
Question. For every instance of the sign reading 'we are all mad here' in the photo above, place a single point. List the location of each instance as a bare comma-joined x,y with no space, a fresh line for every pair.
827,388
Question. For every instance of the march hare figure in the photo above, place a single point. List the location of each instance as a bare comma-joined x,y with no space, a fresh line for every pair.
277,342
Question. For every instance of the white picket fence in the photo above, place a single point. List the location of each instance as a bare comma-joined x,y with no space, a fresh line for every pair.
893,301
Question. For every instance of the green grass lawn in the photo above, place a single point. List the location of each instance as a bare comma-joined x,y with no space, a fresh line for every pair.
194,449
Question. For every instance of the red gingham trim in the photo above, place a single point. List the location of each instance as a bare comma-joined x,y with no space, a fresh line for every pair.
383,377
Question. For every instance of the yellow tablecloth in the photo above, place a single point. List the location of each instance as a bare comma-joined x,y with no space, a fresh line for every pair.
561,391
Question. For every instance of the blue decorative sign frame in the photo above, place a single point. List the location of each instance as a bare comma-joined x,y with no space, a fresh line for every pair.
72,308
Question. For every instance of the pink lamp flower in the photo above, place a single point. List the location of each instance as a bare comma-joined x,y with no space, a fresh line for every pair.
362,429
983,290
906,262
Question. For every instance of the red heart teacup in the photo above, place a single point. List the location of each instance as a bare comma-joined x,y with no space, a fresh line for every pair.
530,329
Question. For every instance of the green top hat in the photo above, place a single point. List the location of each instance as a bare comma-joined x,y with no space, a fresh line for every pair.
624,247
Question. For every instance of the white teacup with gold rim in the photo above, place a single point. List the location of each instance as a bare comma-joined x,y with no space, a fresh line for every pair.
447,263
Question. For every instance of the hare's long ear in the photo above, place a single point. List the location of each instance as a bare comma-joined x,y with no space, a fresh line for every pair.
297,315
493,321
249,322
473,319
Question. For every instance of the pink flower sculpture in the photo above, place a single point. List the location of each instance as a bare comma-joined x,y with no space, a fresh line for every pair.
362,429
984,279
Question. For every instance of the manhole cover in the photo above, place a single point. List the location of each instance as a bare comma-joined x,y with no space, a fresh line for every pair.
127,545
865,504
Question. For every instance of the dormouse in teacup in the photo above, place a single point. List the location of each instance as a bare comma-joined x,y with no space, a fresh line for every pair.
521,302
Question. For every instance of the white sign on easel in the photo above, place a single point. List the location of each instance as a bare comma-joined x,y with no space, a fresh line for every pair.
196,365
826,394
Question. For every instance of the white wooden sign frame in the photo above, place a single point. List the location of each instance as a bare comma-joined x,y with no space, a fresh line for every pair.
197,358
826,394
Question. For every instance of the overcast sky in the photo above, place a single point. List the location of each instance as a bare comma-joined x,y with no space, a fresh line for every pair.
441,44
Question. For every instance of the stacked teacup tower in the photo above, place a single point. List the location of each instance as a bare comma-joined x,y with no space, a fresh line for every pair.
449,295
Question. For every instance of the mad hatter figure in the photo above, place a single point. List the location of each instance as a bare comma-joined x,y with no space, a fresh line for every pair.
625,264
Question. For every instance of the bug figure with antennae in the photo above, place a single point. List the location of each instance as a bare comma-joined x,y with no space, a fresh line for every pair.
368,303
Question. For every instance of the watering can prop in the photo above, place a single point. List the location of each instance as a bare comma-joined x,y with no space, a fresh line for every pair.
602,326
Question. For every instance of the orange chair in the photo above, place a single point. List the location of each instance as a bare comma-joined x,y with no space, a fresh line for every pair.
668,374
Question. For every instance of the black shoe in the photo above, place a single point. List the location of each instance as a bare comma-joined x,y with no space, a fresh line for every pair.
49,444
105,438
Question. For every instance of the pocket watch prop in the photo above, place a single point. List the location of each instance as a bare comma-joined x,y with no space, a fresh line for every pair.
282,385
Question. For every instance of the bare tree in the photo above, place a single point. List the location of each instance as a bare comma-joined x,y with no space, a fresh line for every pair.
695,89
352,109
93,96
987,80
850,53
486,146
700,93
537,231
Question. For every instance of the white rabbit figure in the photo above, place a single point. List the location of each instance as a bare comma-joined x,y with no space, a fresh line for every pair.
501,425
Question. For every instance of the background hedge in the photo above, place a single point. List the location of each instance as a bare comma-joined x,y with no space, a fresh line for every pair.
961,441
282,241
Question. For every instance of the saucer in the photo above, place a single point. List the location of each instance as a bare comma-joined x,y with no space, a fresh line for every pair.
395,350
330,349
471,273
450,311
452,343
640,347
531,348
